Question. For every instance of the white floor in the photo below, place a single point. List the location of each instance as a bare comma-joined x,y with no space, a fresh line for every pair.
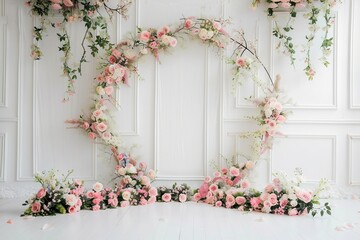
190,220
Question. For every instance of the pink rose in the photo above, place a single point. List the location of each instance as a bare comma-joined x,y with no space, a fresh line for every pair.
152,200
217,174
96,208
166,29
207,179
116,53
269,188
241,62
86,125
153,45
166,197
90,194
285,5
234,171
145,180
96,201
240,200
188,23
72,209
142,165
111,59
35,207
224,171
56,6
182,197
97,114
293,212
151,174
124,203
153,192
160,33
197,197
304,196
283,203
271,123
41,193
272,5
218,204
109,90
106,135
203,190
101,127
217,25
143,201
173,42
255,201
78,203
68,3
249,164
92,135
144,36
230,199
299,5
280,119
56,1
272,198
245,184
213,187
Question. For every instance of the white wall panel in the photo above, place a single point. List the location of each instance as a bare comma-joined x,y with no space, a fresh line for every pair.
305,94
3,21
354,56
2,155
354,159
308,152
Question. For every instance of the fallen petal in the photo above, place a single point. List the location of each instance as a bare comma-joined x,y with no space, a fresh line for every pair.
10,221
46,226
260,219
340,229
28,217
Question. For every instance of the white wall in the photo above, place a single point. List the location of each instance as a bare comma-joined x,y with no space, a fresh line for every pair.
183,114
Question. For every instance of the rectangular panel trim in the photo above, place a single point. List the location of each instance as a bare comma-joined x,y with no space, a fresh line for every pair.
333,138
351,138
2,156
3,22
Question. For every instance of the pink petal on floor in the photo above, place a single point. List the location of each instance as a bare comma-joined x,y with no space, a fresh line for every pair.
340,229
46,226
10,221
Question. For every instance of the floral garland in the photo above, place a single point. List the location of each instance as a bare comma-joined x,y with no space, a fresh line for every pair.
86,11
313,10
229,187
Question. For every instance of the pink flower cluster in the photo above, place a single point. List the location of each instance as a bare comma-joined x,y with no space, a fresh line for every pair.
59,4
100,198
178,193
287,4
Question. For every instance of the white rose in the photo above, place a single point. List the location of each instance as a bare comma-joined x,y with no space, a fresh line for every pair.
70,199
293,203
100,90
98,187
131,169
209,34
152,174
133,182
145,180
165,39
249,164
144,51
130,54
118,73
268,113
203,34
126,195
121,171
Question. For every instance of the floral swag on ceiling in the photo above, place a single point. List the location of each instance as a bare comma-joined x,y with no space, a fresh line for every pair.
230,185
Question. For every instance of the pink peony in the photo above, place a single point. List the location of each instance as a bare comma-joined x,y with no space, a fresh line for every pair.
101,127
182,197
56,6
153,192
293,212
188,23
240,200
68,3
96,208
234,171
144,36
41,193
35,207
166,197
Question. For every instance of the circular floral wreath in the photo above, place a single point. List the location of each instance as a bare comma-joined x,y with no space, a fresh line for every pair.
229,187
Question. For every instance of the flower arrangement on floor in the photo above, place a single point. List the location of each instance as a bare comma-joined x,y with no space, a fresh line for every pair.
282,196
177,193
86,11
313,10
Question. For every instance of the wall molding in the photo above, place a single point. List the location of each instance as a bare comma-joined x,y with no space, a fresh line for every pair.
304,121
3,80
205,124
334,104
333,138
2,156
351,139
352,66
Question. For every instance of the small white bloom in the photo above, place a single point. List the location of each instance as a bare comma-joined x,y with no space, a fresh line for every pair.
100,90
126,195
121,171
131,169
98,187
293,203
